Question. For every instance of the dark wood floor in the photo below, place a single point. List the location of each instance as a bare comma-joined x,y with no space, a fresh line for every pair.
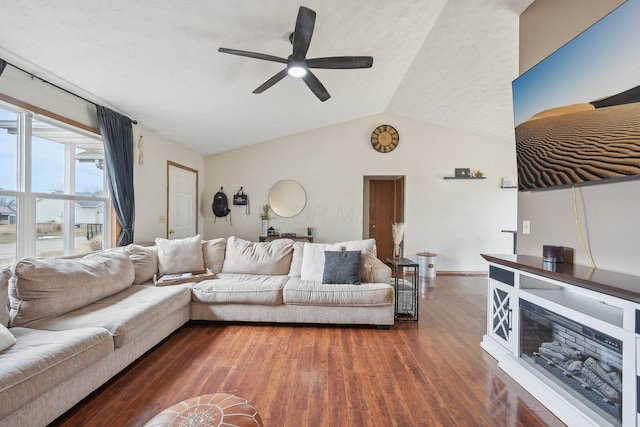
429,373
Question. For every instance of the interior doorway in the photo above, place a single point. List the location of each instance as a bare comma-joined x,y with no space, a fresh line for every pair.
182,201
383,205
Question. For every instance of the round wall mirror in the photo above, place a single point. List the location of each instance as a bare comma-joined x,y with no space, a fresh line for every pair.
287,198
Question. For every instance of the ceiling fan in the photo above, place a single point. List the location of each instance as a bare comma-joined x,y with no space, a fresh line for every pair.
297,63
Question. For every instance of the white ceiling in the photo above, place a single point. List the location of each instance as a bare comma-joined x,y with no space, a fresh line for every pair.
449,62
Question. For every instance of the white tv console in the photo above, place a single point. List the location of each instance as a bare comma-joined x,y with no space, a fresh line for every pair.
606,303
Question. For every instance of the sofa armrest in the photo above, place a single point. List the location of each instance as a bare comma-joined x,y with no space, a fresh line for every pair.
380,272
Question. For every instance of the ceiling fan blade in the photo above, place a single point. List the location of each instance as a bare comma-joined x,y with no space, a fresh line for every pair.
252,55
273,80
316,87
304,30
341,62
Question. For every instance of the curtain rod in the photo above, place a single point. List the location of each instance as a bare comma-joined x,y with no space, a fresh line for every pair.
33,76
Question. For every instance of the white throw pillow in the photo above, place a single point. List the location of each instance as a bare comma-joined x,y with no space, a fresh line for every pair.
180,255
313,260
6,338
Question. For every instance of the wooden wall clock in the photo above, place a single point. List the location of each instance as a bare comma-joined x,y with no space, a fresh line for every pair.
385,138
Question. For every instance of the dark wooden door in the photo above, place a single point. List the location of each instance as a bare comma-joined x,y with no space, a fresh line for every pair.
386,206
381,215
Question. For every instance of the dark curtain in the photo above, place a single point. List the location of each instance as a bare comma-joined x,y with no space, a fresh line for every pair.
3,65
117,136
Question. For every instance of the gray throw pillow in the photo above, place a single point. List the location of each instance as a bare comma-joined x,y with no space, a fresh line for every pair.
341,267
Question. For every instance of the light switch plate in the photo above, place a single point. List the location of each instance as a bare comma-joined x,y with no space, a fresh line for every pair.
526,227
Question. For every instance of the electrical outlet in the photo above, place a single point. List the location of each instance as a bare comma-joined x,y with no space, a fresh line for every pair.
526,227
162,219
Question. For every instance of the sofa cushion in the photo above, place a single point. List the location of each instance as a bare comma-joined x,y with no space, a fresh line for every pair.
39,360
341,267
179,255
309,292
5,274
6,338
43,288
368,256
245,257
145,262
296,259
127,314
240,289
313,260
213,252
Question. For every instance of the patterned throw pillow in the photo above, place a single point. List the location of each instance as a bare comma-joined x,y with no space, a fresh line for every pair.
341,267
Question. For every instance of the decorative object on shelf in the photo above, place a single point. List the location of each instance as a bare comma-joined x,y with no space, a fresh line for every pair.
397,234
271,231
466,173
508,183
385,138
264,216
463,173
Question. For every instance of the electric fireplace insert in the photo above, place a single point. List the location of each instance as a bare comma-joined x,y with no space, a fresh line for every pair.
584,362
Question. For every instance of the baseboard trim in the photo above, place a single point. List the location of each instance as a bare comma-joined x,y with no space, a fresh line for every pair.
462,273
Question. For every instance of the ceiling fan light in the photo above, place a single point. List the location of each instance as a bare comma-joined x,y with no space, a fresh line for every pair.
297,71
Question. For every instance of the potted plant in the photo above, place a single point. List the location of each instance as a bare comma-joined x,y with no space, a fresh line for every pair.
264,216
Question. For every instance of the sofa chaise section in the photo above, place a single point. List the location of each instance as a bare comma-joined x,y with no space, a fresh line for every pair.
41,359
91,298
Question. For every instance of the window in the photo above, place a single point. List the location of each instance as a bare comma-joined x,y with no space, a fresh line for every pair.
53,198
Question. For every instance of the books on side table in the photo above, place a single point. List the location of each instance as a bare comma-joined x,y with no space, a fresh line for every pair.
176,279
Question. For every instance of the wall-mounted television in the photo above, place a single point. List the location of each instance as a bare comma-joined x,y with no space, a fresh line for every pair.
577,112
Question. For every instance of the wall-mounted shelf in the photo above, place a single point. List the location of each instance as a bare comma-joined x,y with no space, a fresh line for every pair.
465,177
510,186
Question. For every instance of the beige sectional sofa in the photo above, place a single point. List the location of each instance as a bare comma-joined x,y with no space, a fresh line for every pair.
72,324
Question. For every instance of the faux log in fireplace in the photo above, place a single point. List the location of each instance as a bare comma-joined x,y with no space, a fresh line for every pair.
586,361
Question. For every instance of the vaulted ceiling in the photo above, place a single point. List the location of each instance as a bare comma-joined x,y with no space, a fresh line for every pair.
449,62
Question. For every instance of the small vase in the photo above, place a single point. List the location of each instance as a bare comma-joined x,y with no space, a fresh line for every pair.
265,227
396,251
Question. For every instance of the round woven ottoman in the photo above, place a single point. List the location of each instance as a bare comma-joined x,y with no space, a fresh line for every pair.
210,410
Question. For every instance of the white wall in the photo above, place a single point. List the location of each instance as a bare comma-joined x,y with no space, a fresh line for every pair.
150,180
607,212
457,219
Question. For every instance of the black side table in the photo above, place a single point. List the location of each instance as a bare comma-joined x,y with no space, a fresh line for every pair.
406,290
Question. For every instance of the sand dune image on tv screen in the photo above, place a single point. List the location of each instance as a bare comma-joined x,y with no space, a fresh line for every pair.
578,144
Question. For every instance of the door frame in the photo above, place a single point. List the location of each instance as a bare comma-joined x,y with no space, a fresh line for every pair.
399,196
188,169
